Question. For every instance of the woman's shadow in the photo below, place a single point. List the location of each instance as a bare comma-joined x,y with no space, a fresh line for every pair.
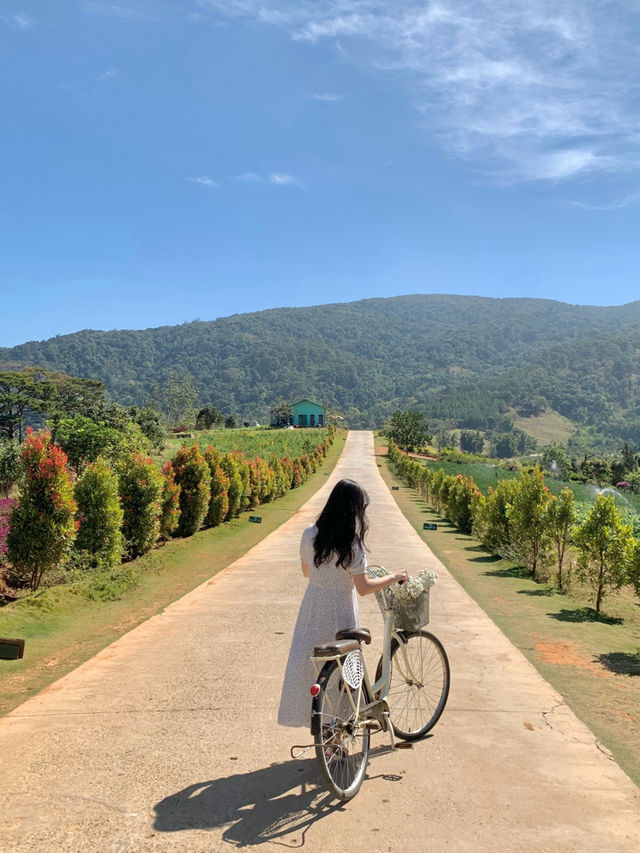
260,806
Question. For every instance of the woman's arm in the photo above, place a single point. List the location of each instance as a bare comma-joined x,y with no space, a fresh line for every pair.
365,585
305,569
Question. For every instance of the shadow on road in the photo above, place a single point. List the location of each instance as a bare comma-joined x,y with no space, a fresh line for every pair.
277,804
284,799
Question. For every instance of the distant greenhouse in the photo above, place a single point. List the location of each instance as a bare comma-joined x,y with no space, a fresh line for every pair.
306,413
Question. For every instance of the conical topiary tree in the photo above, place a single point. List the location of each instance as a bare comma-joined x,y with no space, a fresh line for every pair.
99,515
169,502
219,499
140,485
194,478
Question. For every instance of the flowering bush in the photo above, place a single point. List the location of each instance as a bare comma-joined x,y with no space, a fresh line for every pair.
219,500
169,502
42,526
194,478
6,507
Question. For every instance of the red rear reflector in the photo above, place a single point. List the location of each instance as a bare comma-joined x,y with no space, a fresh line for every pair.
315,689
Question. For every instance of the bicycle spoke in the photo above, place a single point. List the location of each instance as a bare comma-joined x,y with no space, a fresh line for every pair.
341,746
419,684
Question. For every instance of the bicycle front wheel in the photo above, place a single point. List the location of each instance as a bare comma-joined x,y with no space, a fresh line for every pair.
342,746
419,683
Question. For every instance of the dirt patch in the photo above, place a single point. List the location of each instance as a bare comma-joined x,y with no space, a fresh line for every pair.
380,450
566,654
421,456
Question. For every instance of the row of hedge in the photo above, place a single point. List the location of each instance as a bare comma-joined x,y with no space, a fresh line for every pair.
120,510
522,521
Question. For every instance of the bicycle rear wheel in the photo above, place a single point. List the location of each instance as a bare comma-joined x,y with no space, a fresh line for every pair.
419,683
342,747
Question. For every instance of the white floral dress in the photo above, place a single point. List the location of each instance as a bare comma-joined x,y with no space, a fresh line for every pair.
330,604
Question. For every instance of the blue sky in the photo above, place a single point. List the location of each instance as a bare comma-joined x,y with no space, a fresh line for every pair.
167,160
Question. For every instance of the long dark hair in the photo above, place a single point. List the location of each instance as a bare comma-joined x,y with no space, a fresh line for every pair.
342,524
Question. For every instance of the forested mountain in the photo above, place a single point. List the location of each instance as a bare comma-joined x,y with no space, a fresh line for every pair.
460,358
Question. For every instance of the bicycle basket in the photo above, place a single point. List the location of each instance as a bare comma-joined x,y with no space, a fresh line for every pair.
410,614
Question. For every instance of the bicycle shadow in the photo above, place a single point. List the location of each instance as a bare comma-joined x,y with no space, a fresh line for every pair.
276,803
256,807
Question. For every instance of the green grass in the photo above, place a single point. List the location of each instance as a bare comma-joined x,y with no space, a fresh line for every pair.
262,442
593,662
484,474
64,625
547,428
488,474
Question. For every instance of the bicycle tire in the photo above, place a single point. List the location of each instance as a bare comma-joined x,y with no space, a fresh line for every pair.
342,749
414,709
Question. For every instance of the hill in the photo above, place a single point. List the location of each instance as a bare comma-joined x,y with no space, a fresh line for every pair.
463,359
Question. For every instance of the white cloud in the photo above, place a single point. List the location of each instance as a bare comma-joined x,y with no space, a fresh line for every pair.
617,204
249,178
281,180
19,20
108,73
204,181
523,89
327,97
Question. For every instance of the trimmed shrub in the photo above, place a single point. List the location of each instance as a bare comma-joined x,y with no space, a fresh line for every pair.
99,516
219,500
462,497
194,478
169,503
236,470
491,522
296,474
42,526
140,485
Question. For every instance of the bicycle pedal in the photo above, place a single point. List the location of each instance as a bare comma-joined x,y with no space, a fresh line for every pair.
402,744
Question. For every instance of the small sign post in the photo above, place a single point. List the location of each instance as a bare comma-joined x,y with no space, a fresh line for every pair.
257,519
429,526
11,649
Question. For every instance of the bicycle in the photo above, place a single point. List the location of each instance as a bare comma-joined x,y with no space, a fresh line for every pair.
407,698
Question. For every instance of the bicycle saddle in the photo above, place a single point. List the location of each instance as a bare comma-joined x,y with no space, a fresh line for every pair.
341,647
363,635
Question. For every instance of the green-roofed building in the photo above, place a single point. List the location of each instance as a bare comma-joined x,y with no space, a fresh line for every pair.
306,413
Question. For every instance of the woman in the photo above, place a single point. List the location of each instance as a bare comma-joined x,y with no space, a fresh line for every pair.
332,553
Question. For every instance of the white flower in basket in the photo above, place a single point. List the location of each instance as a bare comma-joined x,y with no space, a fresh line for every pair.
409,601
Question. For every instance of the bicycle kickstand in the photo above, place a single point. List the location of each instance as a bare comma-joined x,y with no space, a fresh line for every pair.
389,728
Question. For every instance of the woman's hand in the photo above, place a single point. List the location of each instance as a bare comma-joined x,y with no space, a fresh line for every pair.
400,577
366,585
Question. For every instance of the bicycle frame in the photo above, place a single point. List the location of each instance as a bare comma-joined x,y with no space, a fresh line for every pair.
380,689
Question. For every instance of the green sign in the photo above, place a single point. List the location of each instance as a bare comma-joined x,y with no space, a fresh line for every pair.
11,649
428,526
394,488
257,519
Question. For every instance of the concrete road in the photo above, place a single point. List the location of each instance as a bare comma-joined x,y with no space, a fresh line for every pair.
167,739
